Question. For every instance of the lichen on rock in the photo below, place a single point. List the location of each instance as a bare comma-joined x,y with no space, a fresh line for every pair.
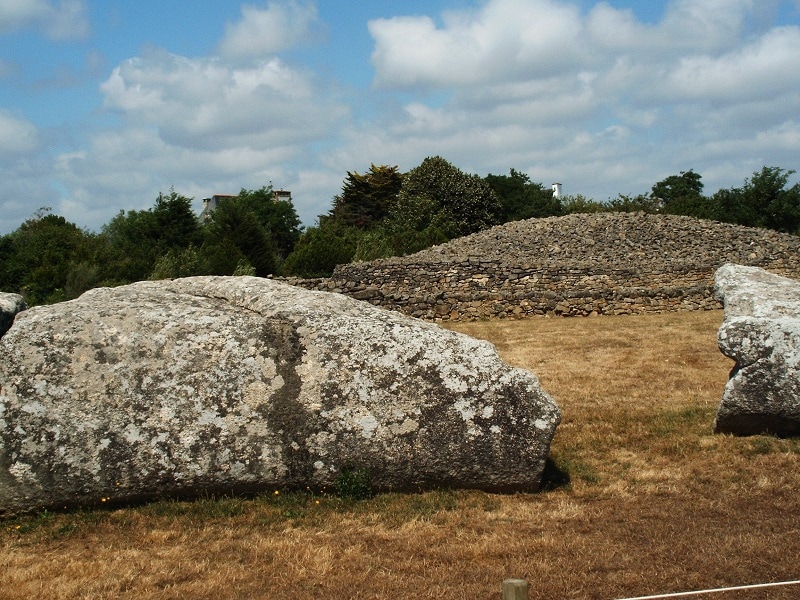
761,333
211,384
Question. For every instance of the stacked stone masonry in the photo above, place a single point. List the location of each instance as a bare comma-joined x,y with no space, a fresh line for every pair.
580,265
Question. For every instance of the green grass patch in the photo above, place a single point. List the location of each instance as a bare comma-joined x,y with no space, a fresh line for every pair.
569,466
670,422
762,445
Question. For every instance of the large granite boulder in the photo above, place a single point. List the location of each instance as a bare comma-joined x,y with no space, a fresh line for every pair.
234,384
761,332
10,305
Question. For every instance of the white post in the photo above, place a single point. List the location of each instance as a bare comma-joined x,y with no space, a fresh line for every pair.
515,589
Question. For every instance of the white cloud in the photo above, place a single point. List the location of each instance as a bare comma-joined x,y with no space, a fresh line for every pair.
135,164
505,40
202,125
207,104
263,33
596,99
17,136
764,68
63,21
781,140
68,20
551,101
709,24
612,28
19,13
24,171
599,100
519,40
25,190
703,25
620,103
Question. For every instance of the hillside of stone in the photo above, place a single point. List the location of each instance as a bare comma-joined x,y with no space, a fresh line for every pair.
636,241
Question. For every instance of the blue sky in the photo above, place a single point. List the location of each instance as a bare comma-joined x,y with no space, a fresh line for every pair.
105,104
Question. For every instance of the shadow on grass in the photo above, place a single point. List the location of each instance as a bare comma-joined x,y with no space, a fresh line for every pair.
553,476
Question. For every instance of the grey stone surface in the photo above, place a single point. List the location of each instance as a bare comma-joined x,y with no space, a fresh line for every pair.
636,240
213,384
10,305
761,332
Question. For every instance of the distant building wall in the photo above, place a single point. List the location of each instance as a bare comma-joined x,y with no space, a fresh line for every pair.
211,204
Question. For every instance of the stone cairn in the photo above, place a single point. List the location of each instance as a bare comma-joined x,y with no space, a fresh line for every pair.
577,265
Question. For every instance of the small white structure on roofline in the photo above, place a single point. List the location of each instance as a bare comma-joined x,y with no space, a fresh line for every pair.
281,196
556,190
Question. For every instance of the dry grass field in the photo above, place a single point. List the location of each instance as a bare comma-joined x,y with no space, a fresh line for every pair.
655,502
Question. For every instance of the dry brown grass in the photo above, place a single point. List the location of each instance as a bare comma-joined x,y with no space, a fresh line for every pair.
656,502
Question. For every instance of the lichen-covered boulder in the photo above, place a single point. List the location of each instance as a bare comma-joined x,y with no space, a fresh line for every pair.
761,332
229,384
10,305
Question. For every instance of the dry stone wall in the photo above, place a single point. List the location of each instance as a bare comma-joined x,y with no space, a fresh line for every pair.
578,265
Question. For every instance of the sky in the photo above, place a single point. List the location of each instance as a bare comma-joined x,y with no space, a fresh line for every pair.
105,104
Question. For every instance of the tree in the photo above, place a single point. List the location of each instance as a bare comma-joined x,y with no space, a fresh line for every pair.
763,201
132,238
236,230
366,199
175,223
250,232
580,204
47,259
522,199
180,263
278,217
638,203
461,203
321,248
139,238
416,224
682,195
9,270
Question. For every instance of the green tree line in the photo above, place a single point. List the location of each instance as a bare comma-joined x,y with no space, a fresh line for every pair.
384,213
379,213
47,259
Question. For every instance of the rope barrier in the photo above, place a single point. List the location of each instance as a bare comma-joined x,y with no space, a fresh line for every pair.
714,591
